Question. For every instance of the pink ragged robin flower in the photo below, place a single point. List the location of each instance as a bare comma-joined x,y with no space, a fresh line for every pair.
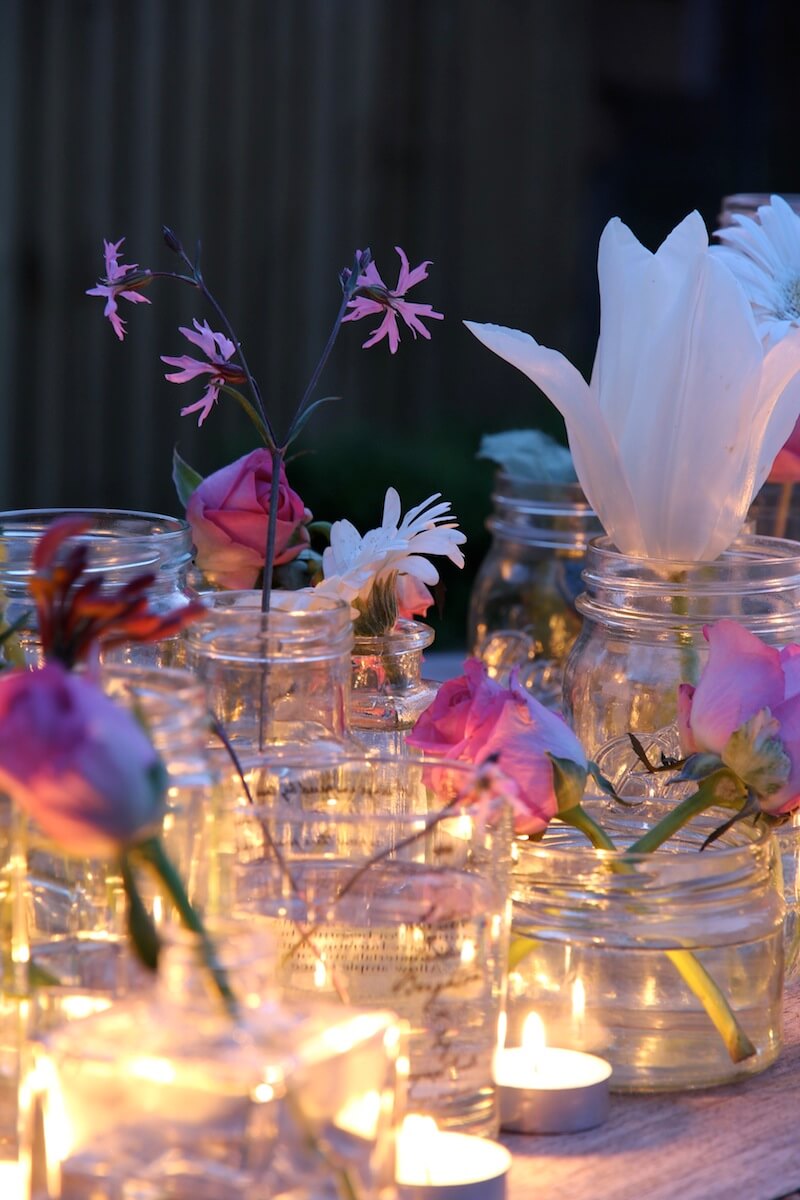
373,297
219,350
121,279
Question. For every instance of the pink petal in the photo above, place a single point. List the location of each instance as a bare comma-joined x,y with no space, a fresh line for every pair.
742,676
788,798
192,367
407,279
205,404
387,328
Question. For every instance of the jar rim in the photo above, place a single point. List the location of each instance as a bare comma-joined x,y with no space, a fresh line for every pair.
377,769
724,856
20,522
748,548
405,636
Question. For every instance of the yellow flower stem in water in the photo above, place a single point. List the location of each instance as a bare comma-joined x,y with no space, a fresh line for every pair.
688,966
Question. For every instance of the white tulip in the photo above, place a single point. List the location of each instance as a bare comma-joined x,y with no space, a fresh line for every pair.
684,413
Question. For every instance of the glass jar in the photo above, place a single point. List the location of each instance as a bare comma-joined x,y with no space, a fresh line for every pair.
166,1095
643,622
62,918
380,900
522,610
630,779
121,545
278,683
389,692
614,937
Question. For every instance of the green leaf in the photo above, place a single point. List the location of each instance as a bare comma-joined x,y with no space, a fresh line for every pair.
300,422
698,766
569,782
605,785
185,478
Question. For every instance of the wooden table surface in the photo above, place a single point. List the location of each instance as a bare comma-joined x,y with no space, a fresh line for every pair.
740,1142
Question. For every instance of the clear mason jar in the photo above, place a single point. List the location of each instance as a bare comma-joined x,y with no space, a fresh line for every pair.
63,918
615,943
167,1095
622,767
522,610
278,683
389,692
377,901
643,621
121,545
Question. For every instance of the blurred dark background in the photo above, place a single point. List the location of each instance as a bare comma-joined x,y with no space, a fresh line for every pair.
495,137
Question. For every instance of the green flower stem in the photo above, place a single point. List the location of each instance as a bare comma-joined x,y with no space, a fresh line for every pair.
721,788
688,654
153,855
688,966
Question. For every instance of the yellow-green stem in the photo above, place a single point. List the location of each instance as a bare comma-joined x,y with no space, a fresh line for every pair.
689,967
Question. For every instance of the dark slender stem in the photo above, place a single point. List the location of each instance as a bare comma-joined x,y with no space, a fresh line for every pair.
278,453
314,380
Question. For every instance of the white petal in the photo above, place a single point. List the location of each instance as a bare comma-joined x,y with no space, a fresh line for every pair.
391,509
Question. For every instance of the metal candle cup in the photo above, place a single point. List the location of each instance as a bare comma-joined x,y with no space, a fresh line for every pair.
543,1089
437,1165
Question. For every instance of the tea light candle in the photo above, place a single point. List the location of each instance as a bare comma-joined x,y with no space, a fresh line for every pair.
546,1090
435,1165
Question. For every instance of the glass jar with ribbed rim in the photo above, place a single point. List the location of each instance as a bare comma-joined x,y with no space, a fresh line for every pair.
668,964
389,692
522,610
169,1094
643,622
121,545
276,681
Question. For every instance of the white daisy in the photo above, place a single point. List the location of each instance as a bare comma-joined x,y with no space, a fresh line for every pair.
764,255
353,564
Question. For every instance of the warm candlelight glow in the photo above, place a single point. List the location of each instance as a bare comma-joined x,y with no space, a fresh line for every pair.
578,1002
533,1039
429,1157
12,1181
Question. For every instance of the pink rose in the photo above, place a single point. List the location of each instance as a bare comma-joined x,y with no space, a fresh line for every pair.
77,763
746,710
786,468
413,597
474,719
228,514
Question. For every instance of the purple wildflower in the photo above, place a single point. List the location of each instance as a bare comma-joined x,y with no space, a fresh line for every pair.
373,297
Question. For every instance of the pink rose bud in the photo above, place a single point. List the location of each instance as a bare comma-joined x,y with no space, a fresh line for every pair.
473,719
228,514
78,764
746,709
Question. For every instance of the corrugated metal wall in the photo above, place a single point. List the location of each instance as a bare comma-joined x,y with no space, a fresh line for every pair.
284,133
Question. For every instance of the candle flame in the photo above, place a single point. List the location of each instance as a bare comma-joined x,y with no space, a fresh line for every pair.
533,1038
578,1001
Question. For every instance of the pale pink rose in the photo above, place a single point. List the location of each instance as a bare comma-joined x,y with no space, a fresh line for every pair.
413,597
786,468
474,719
78,764
745,679
228,514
